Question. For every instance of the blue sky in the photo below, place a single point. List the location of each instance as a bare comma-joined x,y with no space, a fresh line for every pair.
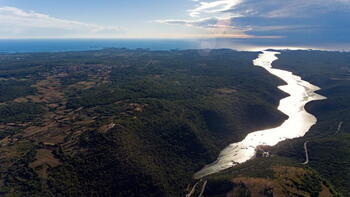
113,18
268,22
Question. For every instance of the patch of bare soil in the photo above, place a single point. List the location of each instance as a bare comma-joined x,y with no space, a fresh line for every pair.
288,181
48,91
44,160
226,91
258,187
44,156
21,100
107,127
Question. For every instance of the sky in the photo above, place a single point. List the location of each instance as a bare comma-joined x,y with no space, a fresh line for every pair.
259,22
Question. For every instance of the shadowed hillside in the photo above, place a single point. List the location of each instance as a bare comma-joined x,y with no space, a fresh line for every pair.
123,122
329,145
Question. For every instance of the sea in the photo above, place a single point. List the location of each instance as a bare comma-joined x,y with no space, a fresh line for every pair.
62,45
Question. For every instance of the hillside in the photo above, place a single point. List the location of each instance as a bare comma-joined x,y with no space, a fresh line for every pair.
328,142
329,145
283,172
120,122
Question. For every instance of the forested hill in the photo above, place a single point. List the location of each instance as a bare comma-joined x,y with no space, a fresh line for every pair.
120,122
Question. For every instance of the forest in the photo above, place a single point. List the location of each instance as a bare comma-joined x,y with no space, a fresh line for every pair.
120,122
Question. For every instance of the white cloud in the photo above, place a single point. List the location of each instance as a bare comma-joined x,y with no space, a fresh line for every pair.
283,9
18,23
213,7
268,18
215,27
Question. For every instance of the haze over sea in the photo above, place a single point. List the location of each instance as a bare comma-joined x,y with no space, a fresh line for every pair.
59,45
62,45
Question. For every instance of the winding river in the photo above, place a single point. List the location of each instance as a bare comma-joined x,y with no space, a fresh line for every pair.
298,123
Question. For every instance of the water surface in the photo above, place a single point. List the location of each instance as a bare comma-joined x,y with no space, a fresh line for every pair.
62,45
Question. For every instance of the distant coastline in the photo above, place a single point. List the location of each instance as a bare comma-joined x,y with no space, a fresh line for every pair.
66,45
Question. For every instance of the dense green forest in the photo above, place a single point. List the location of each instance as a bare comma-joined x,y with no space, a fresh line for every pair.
120,122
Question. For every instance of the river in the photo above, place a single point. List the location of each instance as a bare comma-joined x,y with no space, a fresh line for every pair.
298,123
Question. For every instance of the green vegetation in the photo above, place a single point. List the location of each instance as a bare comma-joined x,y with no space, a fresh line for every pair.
128,122
329,142
11,89
19,112
120,122
329,147
273,176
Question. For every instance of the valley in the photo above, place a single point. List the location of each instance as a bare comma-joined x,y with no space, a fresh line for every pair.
146,121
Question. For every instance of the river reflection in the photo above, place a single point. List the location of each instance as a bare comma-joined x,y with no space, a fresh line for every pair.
298,123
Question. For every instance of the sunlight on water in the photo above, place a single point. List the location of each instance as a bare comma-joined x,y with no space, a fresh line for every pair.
298,123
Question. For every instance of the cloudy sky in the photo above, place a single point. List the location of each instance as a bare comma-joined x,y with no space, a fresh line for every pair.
280,22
